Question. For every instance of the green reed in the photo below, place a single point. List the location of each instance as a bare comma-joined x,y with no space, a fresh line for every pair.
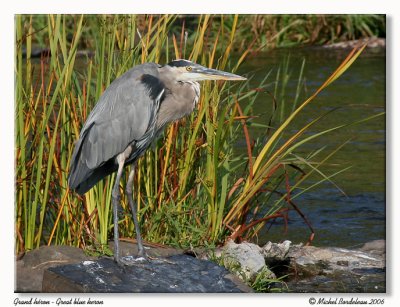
192,187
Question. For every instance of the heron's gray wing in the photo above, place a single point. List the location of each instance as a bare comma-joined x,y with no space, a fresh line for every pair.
124,114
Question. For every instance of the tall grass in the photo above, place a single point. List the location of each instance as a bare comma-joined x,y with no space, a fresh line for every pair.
193,188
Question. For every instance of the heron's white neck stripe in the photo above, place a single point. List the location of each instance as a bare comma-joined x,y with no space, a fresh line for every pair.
196,86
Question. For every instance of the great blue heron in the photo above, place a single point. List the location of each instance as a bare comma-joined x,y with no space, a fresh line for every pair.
129,115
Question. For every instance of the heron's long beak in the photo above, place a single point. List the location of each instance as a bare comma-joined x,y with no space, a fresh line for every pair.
203,73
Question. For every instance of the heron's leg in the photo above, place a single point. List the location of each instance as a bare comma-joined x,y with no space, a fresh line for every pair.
116,197
132,205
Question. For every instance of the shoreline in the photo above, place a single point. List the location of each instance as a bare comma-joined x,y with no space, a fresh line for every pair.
307,269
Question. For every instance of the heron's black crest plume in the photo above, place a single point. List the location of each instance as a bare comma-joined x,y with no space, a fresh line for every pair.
180,63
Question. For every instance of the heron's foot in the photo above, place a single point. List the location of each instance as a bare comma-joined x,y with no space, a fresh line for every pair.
119,262
135,260
132,260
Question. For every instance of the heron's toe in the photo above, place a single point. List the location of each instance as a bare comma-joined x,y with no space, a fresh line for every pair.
133,260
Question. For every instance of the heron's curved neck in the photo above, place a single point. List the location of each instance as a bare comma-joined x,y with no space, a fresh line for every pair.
179,100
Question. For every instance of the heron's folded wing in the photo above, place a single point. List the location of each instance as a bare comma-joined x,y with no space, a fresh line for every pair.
123,114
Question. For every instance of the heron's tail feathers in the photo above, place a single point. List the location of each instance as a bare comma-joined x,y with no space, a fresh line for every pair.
81,178
82,181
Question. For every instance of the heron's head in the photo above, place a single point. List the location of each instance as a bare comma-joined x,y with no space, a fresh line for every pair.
185,70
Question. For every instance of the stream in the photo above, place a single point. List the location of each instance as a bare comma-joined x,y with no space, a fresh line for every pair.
354,213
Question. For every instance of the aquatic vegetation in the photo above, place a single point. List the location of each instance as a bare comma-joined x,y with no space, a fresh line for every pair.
193,188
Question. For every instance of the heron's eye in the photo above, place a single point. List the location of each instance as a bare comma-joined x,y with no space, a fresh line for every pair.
189,68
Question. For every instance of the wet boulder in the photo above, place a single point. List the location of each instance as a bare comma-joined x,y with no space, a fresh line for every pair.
173,274
69,269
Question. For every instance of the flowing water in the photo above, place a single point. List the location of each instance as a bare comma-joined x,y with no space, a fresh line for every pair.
357,214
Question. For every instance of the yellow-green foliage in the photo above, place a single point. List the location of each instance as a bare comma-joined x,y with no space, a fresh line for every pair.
192,188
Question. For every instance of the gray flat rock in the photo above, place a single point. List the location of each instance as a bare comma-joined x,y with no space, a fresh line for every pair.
178,273
29,270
